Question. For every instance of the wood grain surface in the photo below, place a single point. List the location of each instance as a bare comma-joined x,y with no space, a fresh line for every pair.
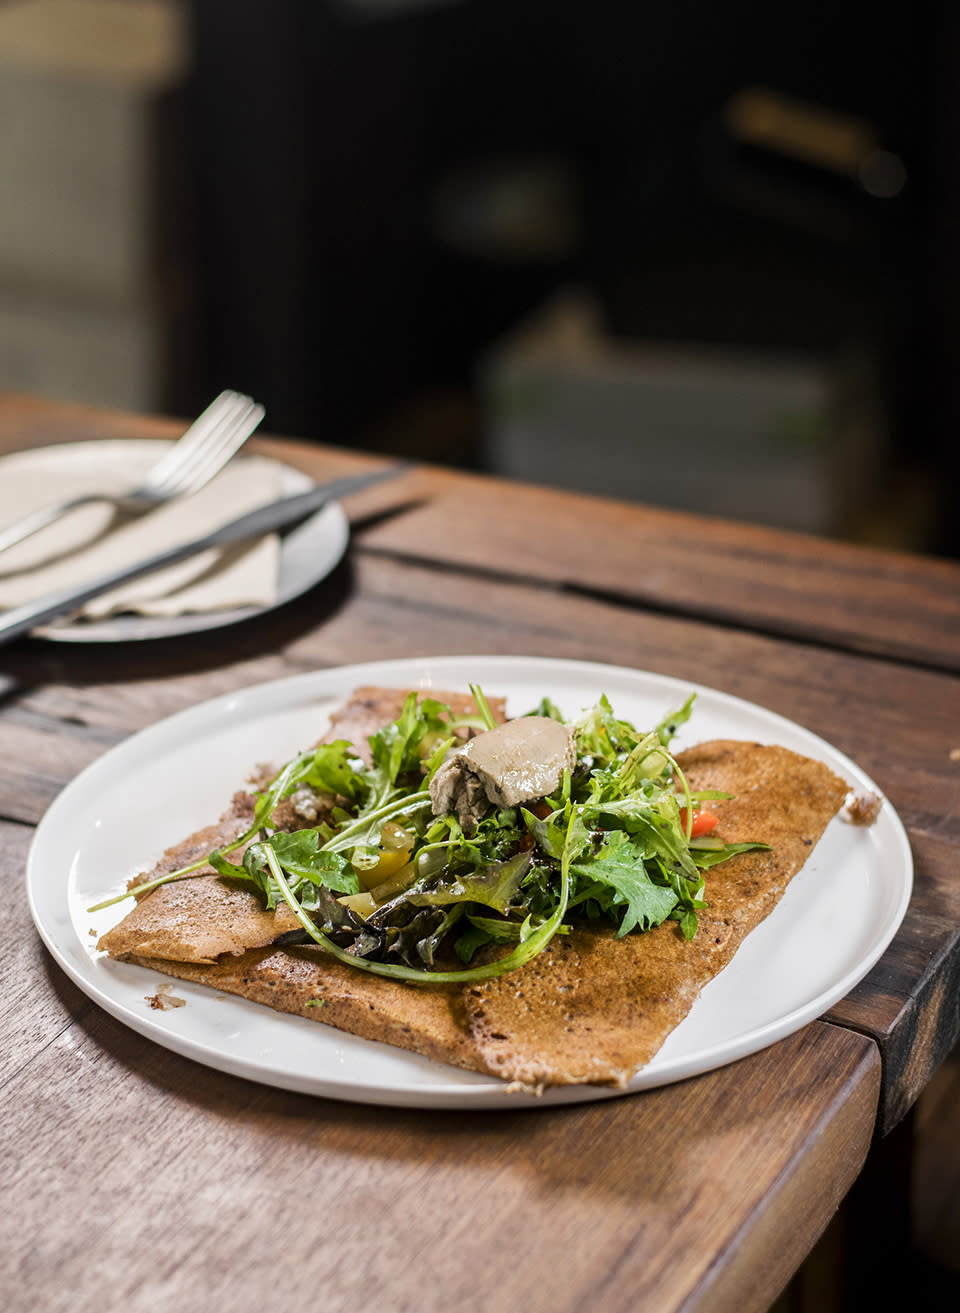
135,1177
198,1186
865,599
705,1195
899,723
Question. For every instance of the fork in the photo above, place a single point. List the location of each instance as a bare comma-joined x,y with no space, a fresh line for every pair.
186,467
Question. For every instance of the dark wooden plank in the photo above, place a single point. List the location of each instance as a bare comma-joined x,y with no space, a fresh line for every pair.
769,580
772,581
909,1001
30,421
50,732
131,1169
39,1001
899,724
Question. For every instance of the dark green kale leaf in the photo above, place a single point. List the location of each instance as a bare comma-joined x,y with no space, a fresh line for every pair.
417,942
495,886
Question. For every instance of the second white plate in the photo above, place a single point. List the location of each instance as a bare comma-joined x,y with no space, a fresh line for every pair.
307,554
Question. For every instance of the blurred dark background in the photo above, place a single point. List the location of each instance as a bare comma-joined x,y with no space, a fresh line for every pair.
550,238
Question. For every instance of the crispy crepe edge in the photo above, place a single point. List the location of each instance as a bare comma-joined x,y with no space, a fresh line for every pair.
593,1008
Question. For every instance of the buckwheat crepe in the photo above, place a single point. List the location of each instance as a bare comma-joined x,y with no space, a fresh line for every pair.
590,1008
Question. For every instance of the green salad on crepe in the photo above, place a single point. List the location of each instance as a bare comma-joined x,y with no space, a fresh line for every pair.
388,884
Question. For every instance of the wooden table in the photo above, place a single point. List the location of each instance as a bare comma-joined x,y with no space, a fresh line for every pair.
135,1178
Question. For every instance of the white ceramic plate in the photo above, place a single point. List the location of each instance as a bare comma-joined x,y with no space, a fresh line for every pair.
308,553
834,922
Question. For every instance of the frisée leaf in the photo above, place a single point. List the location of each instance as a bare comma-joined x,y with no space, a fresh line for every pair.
619,868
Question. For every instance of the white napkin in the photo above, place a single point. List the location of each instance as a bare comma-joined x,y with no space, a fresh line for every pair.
72,550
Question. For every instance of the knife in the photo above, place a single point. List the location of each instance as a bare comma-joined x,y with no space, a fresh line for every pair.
281,514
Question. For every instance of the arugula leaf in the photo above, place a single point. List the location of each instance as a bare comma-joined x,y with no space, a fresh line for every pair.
486,714
656,834
548,832
503,932
601,736
280,787
394,748
688,923
620,864
223,866
558,832
548,710
671,723
484,930
335,769
301,857
705,858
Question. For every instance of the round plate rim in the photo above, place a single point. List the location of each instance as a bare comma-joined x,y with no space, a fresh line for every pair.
462,1090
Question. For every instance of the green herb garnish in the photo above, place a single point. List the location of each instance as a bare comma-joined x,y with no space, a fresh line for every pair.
611,847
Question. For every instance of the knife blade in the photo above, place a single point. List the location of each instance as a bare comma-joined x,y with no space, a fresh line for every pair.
275,515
